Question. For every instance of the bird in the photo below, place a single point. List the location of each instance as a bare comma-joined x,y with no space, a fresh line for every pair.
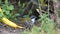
30,24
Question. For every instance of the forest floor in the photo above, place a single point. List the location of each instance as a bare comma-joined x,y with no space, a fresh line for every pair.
16,31
5,30
8,30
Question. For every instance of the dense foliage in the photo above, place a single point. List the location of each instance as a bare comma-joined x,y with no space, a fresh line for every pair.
44,10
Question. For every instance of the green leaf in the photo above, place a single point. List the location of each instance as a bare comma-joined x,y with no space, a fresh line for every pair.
10,7
4,10
7,12
6,2
1,15
4,6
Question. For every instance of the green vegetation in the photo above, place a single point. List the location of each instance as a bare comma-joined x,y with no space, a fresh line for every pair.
11,11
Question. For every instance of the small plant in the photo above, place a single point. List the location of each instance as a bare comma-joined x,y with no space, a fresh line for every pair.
7,8
46,24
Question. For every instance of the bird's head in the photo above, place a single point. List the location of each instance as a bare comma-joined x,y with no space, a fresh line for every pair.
32,19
